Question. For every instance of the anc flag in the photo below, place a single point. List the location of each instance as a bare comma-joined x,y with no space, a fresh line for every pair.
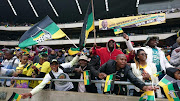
118,30
87,77
88,26
158,73
109,84
147,96
73,51
25,50
171,93
118,44
166,80
44,30
15,97
178,33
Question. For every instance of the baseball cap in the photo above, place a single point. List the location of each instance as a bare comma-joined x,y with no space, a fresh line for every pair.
151,38
54,60
83,57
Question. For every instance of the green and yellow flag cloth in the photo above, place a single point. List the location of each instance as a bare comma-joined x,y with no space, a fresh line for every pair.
158,73
109,83
15,97
44,30
118,45
172,92
178,33
147,96
166,80
88,26
73,51
118,30
87,77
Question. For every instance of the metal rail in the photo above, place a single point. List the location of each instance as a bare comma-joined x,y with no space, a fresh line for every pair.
70,80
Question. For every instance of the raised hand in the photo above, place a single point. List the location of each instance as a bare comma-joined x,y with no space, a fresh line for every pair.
125,36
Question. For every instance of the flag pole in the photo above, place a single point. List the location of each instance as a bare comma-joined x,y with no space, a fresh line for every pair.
93,21
71,41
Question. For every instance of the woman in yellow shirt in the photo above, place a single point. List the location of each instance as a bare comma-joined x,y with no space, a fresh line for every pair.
23,70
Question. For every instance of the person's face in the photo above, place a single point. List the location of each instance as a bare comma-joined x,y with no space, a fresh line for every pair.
142,56
8,56
24,59
54,66
41,60
177,75
121,61
18,53
104,24
111,44
153,43
53,52
83,63
60,53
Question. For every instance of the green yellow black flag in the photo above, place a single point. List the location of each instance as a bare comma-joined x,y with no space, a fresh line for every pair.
15,97
109,84
88,26
87,77
44,30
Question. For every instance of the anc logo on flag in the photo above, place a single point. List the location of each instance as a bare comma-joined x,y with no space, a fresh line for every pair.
44,30
147,96
87,78
43,36
172,92
109,83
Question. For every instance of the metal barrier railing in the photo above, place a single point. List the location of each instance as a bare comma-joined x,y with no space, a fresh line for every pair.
70,80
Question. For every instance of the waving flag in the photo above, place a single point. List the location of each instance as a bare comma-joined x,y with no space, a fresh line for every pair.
109,83
172,92
166,80
147,96
73,51
44,30
88,26
118,30
15,97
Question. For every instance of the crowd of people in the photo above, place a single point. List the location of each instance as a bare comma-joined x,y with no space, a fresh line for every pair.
136,64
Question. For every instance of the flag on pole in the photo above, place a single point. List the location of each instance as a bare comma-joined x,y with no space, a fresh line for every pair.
147,96
73,51
88,26
15,97
87,77
172,92
44,30
109,84
166,80
158,73
117,30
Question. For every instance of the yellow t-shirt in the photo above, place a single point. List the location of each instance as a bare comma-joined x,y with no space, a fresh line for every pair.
25,69
45,67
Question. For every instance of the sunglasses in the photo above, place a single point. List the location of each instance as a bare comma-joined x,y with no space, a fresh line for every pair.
143,54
